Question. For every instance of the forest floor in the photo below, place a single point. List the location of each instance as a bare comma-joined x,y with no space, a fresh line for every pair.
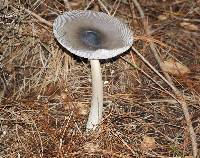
45,91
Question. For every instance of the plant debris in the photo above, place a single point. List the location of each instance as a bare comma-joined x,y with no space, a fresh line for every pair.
45,91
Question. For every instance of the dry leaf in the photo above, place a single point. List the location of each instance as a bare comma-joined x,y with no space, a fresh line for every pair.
82,108
91,147
189,26
148,143
3,4
75,4
96,7
162,17
44,35
64,96
175,68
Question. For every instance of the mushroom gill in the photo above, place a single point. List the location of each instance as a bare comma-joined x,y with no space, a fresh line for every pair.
91,34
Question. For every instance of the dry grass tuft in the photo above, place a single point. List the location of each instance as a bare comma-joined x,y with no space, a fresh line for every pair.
45,91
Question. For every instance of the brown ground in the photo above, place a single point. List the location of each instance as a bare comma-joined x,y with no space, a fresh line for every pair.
45,91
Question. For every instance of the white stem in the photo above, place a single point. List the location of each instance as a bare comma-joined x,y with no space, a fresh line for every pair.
97,96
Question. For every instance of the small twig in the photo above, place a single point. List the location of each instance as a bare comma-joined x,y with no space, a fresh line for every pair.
169,80
88,5
104,7
3,90
5,85
187,19
148,76
154,69
139,8
115,8
42,20
117,135
67,5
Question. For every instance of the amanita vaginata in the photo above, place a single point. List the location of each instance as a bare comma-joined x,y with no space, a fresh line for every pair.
93,35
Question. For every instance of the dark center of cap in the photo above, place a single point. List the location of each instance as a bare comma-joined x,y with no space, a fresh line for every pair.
91,38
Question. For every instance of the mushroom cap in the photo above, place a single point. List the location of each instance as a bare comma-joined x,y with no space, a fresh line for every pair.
91,34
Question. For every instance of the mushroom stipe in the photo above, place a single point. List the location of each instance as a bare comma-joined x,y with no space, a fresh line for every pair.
93,35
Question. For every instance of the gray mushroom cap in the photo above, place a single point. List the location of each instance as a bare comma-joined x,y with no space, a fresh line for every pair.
92,34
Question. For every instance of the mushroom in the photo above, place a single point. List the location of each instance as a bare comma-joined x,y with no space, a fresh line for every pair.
93,35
